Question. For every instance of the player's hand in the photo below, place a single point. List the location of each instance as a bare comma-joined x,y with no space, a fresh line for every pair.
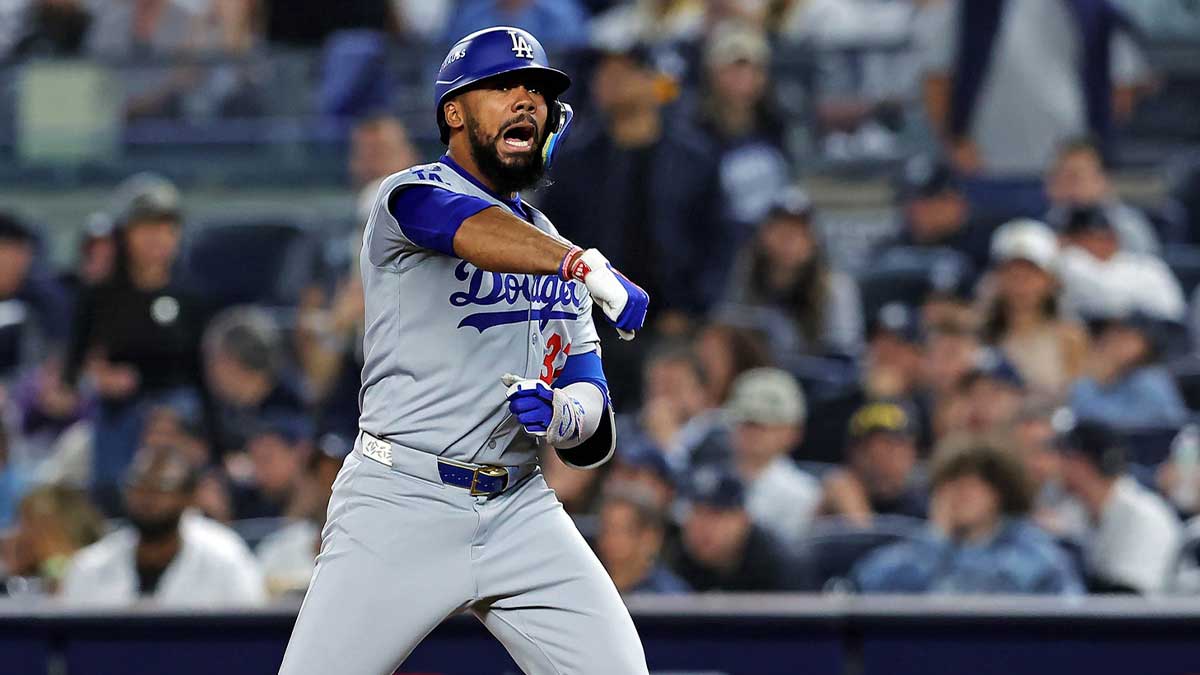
544,412
622,301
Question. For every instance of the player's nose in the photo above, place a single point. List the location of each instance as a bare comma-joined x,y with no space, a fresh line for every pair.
523,101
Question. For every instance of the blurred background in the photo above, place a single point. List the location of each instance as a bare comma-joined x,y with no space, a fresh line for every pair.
924,319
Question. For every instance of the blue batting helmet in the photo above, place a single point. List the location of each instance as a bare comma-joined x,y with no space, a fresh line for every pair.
497,51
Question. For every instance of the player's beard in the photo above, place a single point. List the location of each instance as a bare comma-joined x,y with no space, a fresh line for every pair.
519,172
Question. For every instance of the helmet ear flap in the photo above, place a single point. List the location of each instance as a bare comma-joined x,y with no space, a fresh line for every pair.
558,122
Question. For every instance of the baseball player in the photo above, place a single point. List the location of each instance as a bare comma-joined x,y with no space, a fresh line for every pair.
479,350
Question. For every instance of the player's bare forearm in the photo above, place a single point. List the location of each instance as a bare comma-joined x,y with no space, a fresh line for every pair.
497,241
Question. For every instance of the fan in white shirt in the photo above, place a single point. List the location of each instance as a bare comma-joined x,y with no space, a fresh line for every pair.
288,555
1101,280
169,554
767,411
1135,536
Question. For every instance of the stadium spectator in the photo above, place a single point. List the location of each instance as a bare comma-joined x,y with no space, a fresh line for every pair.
992,394
1134,536
633,527
96,255
1185,577
950,298
990,113
34,314
723,550
736,111
981,539
1125,382
1078,177
244,368
1026,321
935,213
379,147
53,523
288,555
645,189
230,33
272,479
1101,280
51,28
881,474
145,36
168,554
892,368
893,360
1034,440
953,348
647,468
724,352
783,270
767,412
563,23
137,336
674,394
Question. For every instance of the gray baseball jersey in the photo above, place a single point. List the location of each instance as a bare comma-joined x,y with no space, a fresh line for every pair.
440,333
401,550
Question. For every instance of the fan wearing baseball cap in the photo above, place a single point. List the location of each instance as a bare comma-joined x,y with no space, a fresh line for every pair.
723,549
1126,382
1025,319
881,475
766,412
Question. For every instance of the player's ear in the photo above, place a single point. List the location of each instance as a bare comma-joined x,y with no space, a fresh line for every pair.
453,113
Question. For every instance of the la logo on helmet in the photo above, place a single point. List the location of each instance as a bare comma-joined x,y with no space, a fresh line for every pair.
520,45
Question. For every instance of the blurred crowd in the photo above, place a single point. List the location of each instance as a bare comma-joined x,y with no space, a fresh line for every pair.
1001,399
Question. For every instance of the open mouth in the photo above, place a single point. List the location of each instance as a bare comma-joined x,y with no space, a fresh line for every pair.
519,136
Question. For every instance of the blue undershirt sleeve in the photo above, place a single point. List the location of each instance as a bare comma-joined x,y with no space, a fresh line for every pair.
584,368
430,216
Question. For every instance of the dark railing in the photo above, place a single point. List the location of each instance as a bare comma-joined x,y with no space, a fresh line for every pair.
705,634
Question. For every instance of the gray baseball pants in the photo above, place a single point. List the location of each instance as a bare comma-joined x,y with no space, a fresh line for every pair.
401,552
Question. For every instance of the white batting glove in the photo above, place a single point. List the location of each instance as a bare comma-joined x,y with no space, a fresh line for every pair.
543,411
622,301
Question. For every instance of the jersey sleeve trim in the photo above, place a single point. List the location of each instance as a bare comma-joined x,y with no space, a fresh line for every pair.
585,367
430,216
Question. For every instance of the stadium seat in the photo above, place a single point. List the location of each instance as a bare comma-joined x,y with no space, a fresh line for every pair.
1184,261
833,546
906,274
1184,179
267,261
1149,446
816,469
254,530
822,378
1186,372
1002,199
